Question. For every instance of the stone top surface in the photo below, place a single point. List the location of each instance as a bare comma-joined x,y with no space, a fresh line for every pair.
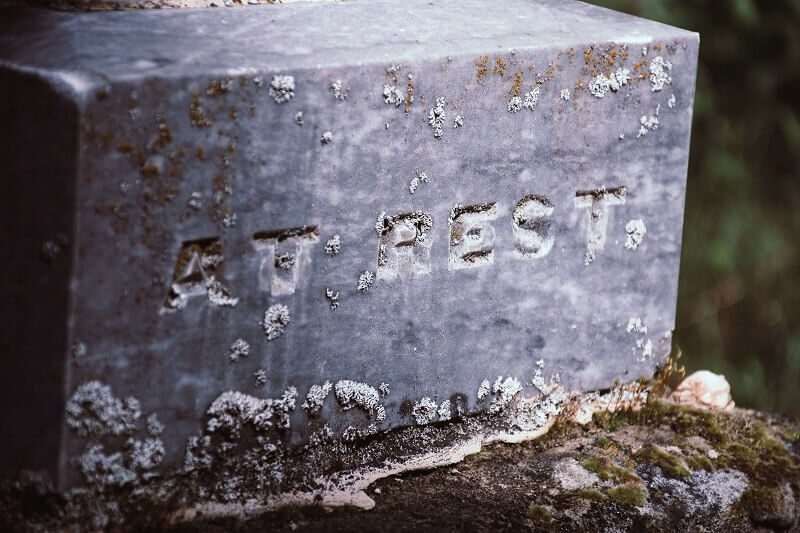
178,43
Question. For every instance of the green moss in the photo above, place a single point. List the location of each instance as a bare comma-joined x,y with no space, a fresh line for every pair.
700,462
604,443
609,445
685,421
590,494
628,494
743,444
607,470
671,465
540,514
610,421
767,506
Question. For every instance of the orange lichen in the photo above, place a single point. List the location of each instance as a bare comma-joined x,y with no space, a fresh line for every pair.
482,69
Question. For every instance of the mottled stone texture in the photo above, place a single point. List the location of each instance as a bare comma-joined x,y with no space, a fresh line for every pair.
139,145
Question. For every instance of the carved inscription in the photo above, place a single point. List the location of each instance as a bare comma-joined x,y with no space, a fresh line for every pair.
198,272
404,248
531,223
599,203
471,236
284,254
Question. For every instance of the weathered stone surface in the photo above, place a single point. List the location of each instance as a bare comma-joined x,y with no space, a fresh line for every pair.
178,179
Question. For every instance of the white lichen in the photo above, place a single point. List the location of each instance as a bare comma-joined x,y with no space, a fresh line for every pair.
218,294
333,245
383,388
601,84
514,105
484,389
260,377
672,101
660,70
436,118
326,137
424,411
531,99
647,124
333,298
104,470
646,346
458,121
351,434
195,202
298,118
276,318
635,325
392,95
338,89
93,411
154,425
315,397
281,88
565,95
420,177
352,394
130,466
239,348
444,410
541,385
284,261
504,391
145,454
365,281
634,233
198,453
232,410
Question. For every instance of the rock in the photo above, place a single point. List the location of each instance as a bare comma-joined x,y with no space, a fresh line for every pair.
575,478
570,475
773,507
705,390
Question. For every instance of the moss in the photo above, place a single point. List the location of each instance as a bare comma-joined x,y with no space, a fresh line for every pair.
590,494
685,421
604,443
743,443
540,514
700,462
607,470
628,494
610,421
670,464
767,506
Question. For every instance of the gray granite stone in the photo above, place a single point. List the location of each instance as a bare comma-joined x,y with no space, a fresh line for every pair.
176,179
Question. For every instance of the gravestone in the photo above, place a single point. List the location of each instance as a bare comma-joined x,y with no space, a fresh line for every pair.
363,214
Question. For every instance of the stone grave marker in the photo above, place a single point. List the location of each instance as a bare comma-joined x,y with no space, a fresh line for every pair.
364,214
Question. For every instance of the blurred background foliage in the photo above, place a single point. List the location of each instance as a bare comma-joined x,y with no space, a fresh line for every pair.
739,296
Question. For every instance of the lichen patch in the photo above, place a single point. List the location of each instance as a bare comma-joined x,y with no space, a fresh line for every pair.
281,88
276,319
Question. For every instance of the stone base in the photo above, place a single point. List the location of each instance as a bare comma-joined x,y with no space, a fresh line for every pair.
663,467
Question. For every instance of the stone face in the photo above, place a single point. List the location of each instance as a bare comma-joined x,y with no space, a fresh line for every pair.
177,179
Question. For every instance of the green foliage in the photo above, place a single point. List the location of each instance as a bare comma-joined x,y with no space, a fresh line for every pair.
635,495
739,300
670,464
540,514
607,470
